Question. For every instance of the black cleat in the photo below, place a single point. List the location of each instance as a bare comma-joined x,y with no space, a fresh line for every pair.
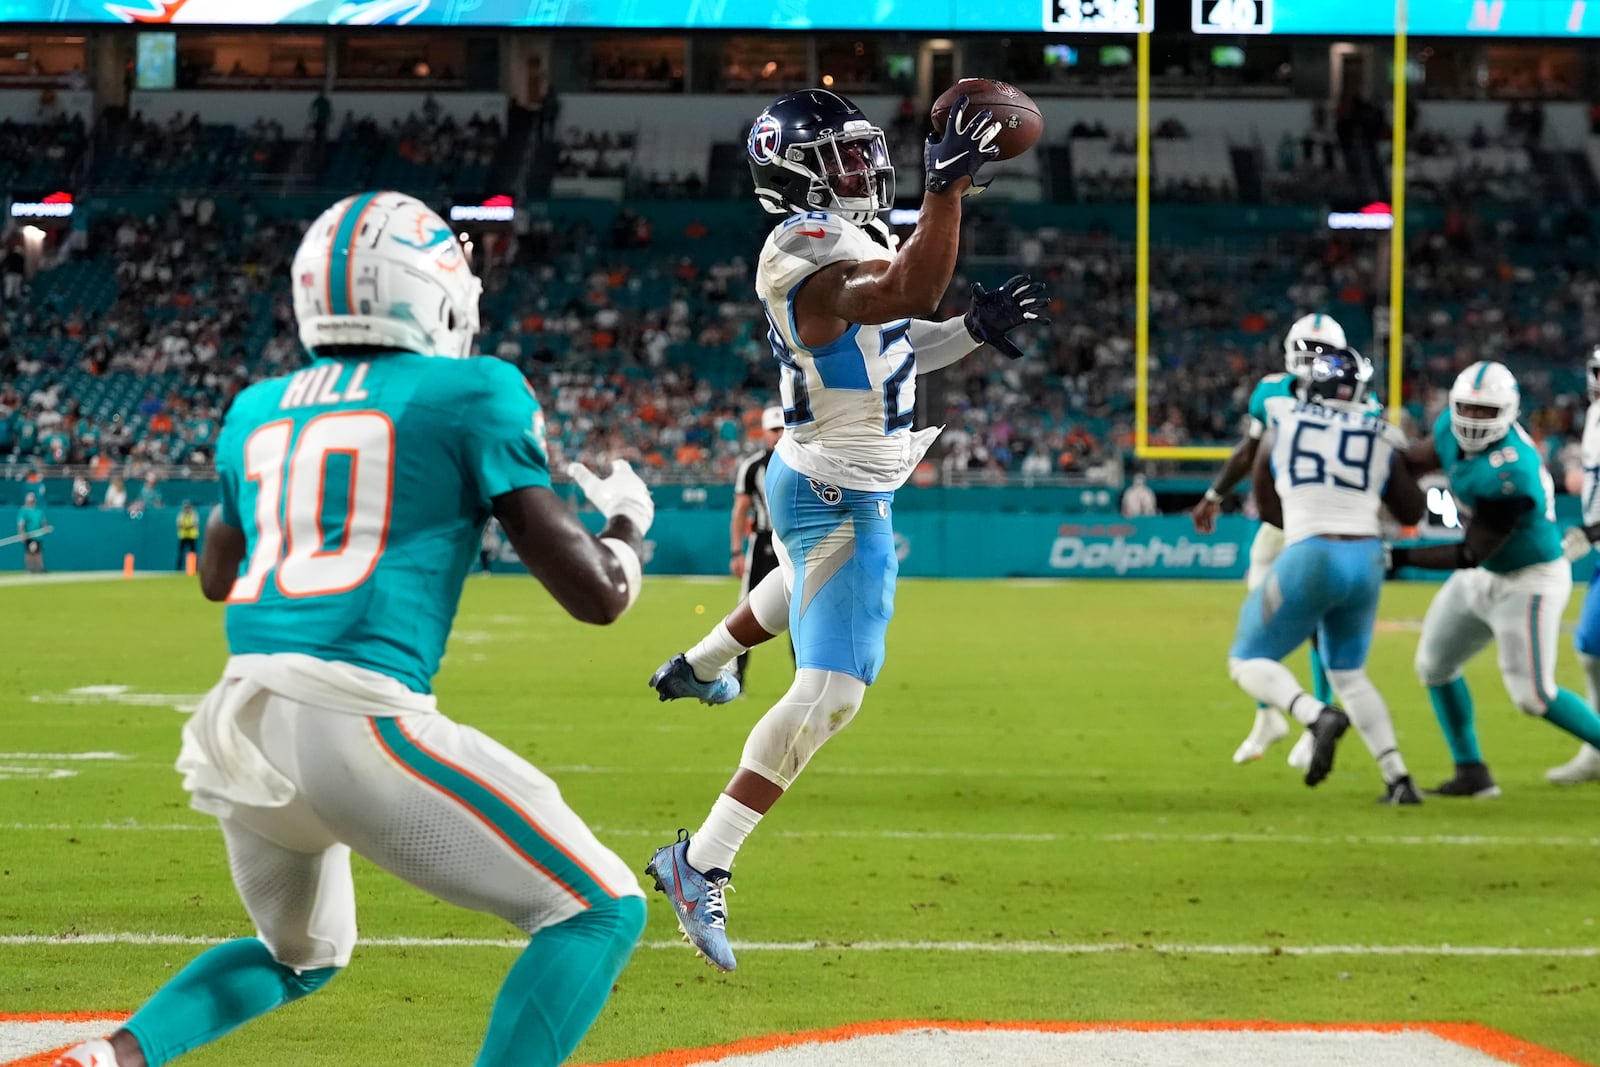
1325,733
1401,791
1471,780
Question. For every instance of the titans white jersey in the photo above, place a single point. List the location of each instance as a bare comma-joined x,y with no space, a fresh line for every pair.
1330,464
847,405
1591,465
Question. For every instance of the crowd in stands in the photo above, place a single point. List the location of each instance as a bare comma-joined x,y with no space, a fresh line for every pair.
595,154
39,155
143,377
182,151
657,72
648,346
426,150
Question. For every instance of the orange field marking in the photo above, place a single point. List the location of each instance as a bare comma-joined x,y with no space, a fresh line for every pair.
1502,1046
1491,1042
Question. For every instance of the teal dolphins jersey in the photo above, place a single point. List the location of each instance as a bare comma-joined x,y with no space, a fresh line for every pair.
362,488
1509,468
1277,392
1268,389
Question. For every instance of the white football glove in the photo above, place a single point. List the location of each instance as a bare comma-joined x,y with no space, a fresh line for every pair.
622,493
1574,544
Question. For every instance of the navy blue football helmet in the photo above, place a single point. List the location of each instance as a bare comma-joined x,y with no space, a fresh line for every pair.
815,151
1341,375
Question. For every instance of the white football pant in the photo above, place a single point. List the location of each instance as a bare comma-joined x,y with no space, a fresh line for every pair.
1520,612
435,803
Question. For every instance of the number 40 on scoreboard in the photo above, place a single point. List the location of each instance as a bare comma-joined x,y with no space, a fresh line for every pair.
1232,16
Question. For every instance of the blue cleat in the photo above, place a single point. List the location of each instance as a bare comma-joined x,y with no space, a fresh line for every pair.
698,902
675,679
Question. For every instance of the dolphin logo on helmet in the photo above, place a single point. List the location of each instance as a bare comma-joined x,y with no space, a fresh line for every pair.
383,270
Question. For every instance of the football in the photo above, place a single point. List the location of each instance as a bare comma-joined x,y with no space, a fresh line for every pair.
1020,122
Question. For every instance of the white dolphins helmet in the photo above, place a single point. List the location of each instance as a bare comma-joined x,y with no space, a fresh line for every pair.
1592,372
382,269
1483,385
1310,335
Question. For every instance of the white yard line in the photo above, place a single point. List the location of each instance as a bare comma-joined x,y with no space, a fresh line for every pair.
1241,838
996,773
1022,948
75,577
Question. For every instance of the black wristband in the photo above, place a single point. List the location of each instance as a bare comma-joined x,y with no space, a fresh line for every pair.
1592,531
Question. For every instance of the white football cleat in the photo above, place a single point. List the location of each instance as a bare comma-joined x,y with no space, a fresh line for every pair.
1584,767
1270,728
1300,754
96,1053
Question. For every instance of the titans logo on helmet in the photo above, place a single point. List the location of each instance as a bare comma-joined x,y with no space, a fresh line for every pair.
765,137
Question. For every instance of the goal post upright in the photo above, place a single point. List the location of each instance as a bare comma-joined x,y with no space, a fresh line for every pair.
1397,232
1141,254
1143,449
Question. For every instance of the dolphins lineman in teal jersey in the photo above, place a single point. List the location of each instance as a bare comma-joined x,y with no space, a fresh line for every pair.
1511,581
354,495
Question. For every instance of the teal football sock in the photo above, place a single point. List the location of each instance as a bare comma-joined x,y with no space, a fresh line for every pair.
1321,688
559,984
1569,712
220,990
1452,706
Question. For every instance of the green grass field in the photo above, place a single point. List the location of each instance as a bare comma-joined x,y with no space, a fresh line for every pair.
1039,765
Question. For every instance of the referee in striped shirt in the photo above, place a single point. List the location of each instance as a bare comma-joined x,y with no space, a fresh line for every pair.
751,556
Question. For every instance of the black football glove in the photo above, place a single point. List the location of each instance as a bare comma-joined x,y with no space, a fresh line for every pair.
967,144
993,315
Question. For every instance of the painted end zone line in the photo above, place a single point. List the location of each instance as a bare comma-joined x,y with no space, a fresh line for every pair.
983,1043
997,947
854,1042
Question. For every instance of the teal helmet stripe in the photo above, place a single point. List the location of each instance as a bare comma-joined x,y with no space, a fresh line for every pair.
1483,368
339,254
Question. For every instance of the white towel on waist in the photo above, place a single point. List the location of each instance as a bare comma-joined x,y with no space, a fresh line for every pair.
221,765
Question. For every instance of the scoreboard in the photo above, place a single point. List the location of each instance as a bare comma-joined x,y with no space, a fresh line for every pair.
1424,18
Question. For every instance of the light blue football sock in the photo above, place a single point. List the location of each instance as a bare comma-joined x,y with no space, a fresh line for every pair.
559,984
221,990
1321,688
1452,706
1572,713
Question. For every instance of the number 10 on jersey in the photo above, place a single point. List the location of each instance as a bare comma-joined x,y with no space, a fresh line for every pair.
291,479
